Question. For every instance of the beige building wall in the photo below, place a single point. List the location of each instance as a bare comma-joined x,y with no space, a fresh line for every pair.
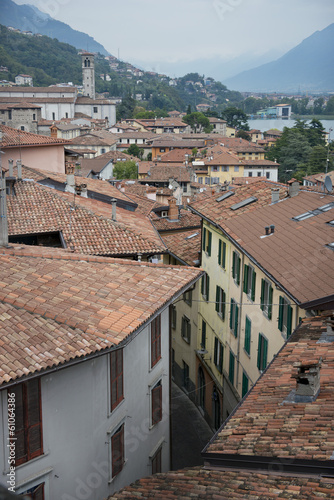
50,158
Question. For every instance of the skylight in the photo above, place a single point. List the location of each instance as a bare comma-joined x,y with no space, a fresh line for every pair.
243,203
316,211
191,236
225,196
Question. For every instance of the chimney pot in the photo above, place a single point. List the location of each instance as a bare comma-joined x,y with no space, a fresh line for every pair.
274,195
272,229
267,230
173,213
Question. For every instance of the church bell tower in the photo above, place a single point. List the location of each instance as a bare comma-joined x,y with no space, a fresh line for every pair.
88,74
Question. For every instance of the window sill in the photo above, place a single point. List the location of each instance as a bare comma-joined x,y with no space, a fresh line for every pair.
247,354
33,460
221,316
187,341
112,412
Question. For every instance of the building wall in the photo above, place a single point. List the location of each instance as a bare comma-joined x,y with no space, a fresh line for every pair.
23,119
50,158
98,111
78,425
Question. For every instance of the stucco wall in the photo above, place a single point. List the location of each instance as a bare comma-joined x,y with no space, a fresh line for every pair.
50,158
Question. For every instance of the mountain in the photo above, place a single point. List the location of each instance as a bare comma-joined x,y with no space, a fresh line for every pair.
29,18
307,67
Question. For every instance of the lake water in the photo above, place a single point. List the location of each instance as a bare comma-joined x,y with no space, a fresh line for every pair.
266,124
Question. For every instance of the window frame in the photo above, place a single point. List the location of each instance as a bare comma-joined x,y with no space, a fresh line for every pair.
203,334
262,353
173,316
115,378
218,355
285,314
234,317
248,334
155,340
207,241
115,467
222,253
249,285
156,395
244,390
231,367
27,428
205,287
266,300
236,264
156,461
188,297
220,304
186,329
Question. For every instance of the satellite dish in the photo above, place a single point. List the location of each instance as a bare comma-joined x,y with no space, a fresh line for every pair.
328,184
201,190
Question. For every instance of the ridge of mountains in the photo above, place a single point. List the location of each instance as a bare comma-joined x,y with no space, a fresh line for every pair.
30,18
307,67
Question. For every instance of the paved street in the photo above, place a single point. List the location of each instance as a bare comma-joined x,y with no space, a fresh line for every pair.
190,432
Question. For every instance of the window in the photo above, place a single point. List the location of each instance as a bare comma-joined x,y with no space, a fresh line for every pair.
205,286
53,116
234,317
22,127
268,175
155,340
66,115
94,109
173,316
215,169
250,174
222,254
259,174
203,337
116,377
117,450
186,329
220,302
262,352
187,297
249,281
225,168
218,355
284,316
156,403
245,384
28,415
236,267
207,241
34,493
9,115
185,373
247,343
207,180
266,298
103,150
215,180
231,368
156,461
34,116
236,168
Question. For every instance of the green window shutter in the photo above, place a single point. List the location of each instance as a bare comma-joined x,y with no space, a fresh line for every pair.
245,382
209,242
289,321
238,270
231,313
220,367
220,252
231,368
262,294
236,320
224,304
270,305
247,335
245,278
217,298
207,287
204,239
280,314
233,265
202,285
259,352
253,286
224,255
203,343
215,356
264,353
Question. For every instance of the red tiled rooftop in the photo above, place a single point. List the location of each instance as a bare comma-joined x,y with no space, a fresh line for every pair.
14,137
185,244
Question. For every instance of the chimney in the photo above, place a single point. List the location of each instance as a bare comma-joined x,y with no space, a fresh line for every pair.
19,170
293,187
267,230
113,209
173,212
274,195
3,211
308,379
11,167
151,193
272,229
70,182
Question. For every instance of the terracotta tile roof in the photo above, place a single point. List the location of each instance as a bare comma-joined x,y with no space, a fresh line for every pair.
241,181
185,244
187,220
103,297
36,209
199,482
40,90
23,105
92,139
99,162
237,145
176,155
30,343
223,157
162,173
265,163
320,178
14,137
176,142
267,424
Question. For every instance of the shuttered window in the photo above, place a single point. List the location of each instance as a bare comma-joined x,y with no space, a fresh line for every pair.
222,254
234,317
231,368
203,338
155,340
117,451
205,286
157,403
156,462
285,317
220,302
247,343
266,299
249,281
186,329
116,377
34,493
245,384
236,261
218,355
28,424
262,353
207,241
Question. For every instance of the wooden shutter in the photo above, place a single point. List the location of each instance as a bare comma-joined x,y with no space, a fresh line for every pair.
204,239
231,313
253,285
209,243
117,444
233,265
245,382
215,356
280,314
203,334
270,305
157,404
245,278
223,304
236,320
289,321
220,252
247,335
238,269
262,294
259,351
116,375
34,420
221,355
264,353
202,285
224,255
217,298
231,368
20,445
207,287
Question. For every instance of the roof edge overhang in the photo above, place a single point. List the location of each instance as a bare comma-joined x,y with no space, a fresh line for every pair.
323,303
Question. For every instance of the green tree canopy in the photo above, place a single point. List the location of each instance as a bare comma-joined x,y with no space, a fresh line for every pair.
135,150
235,118
125,170
198,122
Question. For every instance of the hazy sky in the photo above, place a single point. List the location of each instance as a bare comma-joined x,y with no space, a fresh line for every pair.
154,31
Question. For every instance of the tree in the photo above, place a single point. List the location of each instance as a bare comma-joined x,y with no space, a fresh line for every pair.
243,135
135,150
235,118
198,122
188,109
126,108
125,170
